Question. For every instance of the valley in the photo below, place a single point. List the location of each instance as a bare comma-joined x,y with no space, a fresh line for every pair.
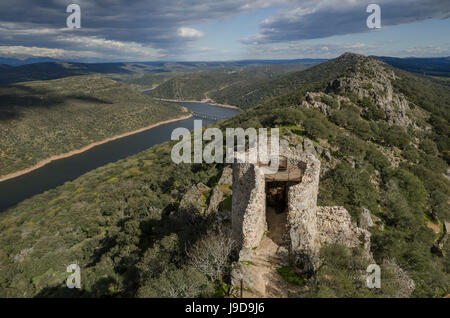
45,120
138,226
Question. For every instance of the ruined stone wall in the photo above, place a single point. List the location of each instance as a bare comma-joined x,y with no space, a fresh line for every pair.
302,219
248,205
309,226
335,226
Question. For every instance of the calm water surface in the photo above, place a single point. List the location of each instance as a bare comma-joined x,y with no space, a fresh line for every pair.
58,172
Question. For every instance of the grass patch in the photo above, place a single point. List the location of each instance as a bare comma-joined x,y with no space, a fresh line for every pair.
291,276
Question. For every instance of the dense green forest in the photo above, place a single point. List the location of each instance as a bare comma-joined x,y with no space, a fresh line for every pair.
127,227
45,118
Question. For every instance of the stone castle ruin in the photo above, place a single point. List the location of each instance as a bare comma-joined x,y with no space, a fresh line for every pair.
276,220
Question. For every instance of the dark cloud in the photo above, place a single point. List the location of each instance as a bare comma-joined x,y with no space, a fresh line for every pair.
149,28
324,18
155,22
165,29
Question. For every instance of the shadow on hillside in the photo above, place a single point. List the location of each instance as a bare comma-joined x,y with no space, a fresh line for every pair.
98,290
50,71
14,98
187,225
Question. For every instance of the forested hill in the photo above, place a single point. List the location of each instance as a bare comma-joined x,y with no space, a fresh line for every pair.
247,93
45,118
382,136
205,85
388,132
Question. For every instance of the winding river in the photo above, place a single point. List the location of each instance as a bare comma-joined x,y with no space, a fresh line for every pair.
58,172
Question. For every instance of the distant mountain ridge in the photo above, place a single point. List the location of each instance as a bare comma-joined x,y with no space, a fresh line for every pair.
18,62
14,72
32,69
434,66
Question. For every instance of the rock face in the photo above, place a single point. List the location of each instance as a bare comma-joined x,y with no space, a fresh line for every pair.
365,220
404,284
372,79
336,227
308,146
194,199
309,227
218,194
442,241
214,201
258,271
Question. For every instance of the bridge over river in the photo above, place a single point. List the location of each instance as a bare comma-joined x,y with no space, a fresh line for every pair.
208,116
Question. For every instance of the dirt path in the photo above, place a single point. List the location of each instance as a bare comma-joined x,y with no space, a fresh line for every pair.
276,223
266,281
435,227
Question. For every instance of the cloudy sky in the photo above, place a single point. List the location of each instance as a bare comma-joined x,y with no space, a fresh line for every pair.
147,30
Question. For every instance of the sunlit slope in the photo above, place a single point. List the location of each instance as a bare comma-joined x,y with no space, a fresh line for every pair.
381,136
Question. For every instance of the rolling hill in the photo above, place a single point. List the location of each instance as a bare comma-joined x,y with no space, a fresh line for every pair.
203,85
126,71
380,133
45,118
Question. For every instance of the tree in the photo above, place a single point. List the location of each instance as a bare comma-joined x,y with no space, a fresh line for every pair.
210,255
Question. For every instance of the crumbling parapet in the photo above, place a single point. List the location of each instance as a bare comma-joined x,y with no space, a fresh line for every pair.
248,205
302,218
309,226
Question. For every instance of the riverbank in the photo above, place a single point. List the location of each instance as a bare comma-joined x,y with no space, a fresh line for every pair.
86,148
207,101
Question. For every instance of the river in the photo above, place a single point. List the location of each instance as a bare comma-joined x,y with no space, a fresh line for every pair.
58,172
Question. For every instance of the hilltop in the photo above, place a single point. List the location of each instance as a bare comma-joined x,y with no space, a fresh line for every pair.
137,226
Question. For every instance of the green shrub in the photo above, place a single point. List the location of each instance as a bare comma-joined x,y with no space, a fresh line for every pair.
291,276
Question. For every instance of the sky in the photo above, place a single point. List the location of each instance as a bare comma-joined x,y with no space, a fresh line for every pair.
221,30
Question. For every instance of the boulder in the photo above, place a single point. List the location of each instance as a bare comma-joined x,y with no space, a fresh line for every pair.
365,220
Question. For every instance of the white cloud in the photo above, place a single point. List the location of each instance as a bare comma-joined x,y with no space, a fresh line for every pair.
190,33
24,52
305,20
149,30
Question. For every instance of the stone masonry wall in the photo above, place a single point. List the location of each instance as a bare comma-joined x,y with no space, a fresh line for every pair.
248,205
309,226
302,219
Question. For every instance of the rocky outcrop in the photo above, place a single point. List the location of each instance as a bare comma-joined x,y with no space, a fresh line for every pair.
373,80
227,176
308,146
258,271
335,227
214,201
194,200
439,246
365,220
